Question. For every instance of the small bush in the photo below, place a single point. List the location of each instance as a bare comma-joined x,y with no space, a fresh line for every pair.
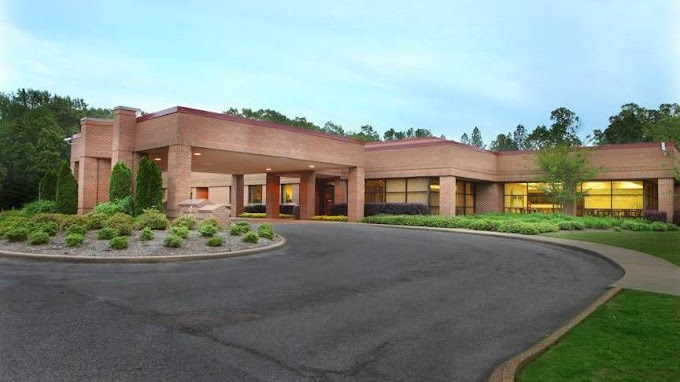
43,218
173,241
50,228
108,208
75,240
208,230
211,221
119,242
107,233
372,209
16,234
146,234
239,228
38,237
76,228
153,219
180,231
636,225
95,220
655,216
658,226
266,231
69,220
188,221
121,222
39,207
617,229
329,218
215,241
250,237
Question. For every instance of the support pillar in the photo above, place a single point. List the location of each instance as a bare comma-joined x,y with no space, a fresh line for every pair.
273,195
666,188
124,124
355,194
307,195
489,197
447,195
340,191
236,195
88,184
179,177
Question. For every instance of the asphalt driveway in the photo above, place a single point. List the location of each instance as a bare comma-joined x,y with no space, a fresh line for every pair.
340,302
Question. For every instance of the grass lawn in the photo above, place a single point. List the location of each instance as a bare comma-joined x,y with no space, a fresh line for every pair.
662,244
634,337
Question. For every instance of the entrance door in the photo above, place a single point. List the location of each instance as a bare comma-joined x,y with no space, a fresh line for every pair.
328,194
201,193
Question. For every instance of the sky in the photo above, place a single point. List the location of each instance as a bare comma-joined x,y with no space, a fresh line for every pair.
446,66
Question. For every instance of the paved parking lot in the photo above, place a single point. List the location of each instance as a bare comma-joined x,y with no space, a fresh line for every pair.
341,302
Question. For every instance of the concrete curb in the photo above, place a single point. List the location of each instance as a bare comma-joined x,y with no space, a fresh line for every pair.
507,371
140,259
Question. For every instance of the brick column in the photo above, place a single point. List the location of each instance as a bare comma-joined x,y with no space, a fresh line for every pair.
273,195
355,194
666,197
307,195
179,177
489,197
447,195
236,194
340,191
87,184
124,124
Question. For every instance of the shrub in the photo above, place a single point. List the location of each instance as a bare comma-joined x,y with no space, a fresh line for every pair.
119,242
38,237
75,239
48,186
215,241
76,228
655,216
330,218
208,230
266,231
287,209
69,220
250,237
570,225
44,218
253,215
16,234
636,225
180,231
108,208
152,219
121,222
239,228
188,221
66,196
617,229
658,226
146,234
371,209
107,233
95,220
173,241
39,207
255,209
119,182
211,221
149,189
50,228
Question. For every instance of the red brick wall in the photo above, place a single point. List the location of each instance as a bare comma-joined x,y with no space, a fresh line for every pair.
666,197
447,195
489,197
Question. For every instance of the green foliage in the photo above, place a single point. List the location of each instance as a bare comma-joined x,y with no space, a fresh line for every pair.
95,220
125,205
39,207
149,188
69,220
38,237
503,142
239,228
66,196
50,228
76,228
180,231
17,233
637,124
208,230
119,242
152,219
215,241
562,132
48,186
146,234
250,237
123,223
75,240
120,182
155,187
173,241
211,221
265,231
188,221
330,218
107,233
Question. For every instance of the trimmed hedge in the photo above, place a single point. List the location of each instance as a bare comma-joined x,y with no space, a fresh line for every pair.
371,209
330,218
655,216
286,209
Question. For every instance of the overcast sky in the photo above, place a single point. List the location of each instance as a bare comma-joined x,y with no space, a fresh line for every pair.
443,65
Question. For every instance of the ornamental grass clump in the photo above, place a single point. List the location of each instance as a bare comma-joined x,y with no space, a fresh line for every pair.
215,241
265,231
38,237
250,237
75,240
146,234
180,231
107,233
173,241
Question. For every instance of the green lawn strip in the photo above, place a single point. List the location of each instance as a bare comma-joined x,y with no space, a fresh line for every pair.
634,337
662,244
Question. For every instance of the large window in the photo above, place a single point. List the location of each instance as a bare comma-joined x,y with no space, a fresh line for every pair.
375,191
434,196
623,198
465,198
404,190
527,197
395,190
286,193
255,194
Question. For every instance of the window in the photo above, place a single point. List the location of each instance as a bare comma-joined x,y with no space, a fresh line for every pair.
375,191
651,195
465,198
623,198
418,190
286,193
516,197
395,190
255,194
528,197
434,196
404,190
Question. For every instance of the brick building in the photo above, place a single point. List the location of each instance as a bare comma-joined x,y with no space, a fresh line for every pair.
236,161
